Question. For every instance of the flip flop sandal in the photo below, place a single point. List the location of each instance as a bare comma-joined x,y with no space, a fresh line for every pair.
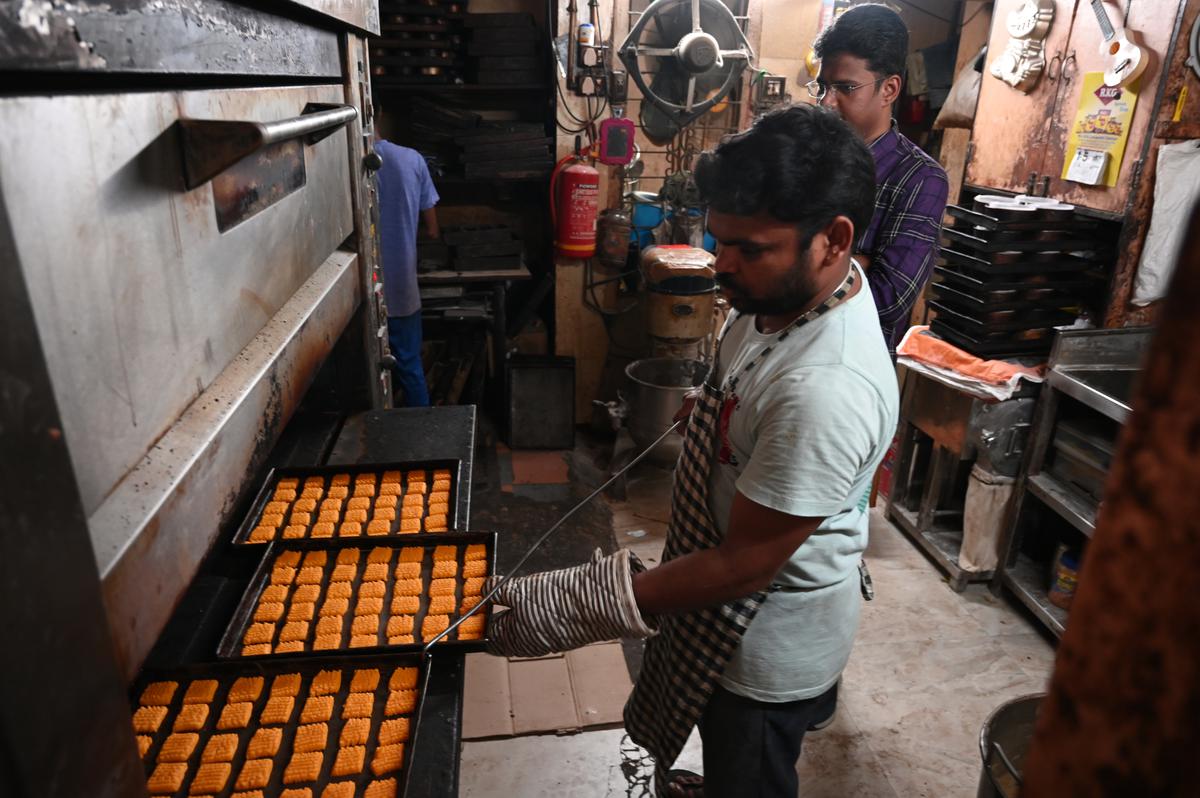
685,784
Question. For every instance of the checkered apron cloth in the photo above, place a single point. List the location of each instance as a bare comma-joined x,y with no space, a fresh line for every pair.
683,661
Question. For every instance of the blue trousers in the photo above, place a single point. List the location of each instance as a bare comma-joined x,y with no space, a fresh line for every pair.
408,378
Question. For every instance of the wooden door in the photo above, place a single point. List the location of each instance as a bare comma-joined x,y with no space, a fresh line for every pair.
1010,130
1154,22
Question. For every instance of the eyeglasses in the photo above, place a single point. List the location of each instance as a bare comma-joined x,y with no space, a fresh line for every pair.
817,89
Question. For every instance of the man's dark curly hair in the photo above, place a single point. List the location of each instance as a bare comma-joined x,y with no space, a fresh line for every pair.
799,164
872,32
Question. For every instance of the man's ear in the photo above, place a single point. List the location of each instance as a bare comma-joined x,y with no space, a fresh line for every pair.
889,89
839,239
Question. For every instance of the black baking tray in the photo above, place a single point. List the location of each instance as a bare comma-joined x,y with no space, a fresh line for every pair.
992,347
231,641
227,672
1076,222
242,535
1001,263
995,289
1028,319
982,241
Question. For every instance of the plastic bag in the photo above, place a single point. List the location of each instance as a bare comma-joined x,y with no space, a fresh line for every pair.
959,108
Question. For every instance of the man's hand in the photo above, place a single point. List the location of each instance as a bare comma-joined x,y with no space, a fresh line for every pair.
565,609
685,410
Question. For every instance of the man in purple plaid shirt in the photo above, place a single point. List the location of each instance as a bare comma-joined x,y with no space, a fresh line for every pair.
862,60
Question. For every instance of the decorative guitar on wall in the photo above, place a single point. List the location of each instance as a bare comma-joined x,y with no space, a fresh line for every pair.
1126,60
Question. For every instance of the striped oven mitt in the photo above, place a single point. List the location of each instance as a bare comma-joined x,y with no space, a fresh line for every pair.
560,610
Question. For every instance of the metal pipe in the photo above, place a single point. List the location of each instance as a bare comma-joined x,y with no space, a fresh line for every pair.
572,11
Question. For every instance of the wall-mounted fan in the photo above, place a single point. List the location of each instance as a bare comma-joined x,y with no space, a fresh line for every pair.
693,52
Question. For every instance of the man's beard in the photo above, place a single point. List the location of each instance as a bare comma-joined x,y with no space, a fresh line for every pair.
794,292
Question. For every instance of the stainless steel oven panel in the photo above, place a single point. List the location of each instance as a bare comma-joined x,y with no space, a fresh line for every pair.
155,527
140,301
362,14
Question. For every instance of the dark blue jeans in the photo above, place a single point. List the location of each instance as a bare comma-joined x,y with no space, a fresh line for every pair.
751,747
408,378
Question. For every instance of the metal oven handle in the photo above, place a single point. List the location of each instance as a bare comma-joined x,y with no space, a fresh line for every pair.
210,146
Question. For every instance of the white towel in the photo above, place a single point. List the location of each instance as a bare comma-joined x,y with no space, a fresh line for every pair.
1176,190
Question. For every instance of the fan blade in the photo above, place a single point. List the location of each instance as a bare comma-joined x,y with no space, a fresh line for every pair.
657,52
732,54
691,93
696,16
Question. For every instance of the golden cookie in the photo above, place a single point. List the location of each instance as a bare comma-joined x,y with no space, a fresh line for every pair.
441,605
445,568
358,503
330,625
439,497
304,506
410,526
262,534
473,587
474,568
390,476
401,640
323,529
300,518
471,628
256,650
268,612
416,489
210,778
248,794
369,605
167,777
278,710
386,514
220,748
310,576
416,475
200,691
445,553
468,602
359,516
341,789
338,590
284,495
348,556
384,788
403,679
375,572
438,520
315,558
295,531
327,642
387,759
405,605
412,554
158,694
300,612
349,761
355,732
303,767
365,680
364,491
178,748
306,594
365,476
327,682
407,587
329,515
317,709
338,492
255,774
434,625
365,625
386,501
273,593
235,716
438,508
293,631
401,702
441,486
343,573
282,575
363,641
291,483
264,743
442,587
390,489
144,741
312,493
296,792
379,528
436,529
339,479
289,647
287,684
334,608
375,588
190,718
412,512
393,731
358,705
408,570
275,508
311,738
412,500
399,625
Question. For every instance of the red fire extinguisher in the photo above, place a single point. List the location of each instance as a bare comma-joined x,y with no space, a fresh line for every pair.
575,193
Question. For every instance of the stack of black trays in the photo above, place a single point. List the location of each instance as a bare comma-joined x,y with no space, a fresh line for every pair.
458,142
485,247
505,49
1003,284
420,43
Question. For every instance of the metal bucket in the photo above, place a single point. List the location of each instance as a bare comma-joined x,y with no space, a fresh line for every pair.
656,390
1003,744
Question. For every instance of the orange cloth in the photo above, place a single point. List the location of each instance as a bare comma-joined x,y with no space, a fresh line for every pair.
919,345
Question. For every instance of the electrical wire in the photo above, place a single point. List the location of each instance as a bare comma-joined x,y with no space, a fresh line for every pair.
546,535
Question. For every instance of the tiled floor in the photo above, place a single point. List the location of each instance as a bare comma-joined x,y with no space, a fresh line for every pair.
928,666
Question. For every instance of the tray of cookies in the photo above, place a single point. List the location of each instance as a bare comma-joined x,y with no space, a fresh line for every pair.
337,502
325,597
330,728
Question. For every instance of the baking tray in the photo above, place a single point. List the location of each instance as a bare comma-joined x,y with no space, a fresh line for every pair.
1036,318
241,537
992,348
989,222
979,242
226,672
1016,263
231,642
993,289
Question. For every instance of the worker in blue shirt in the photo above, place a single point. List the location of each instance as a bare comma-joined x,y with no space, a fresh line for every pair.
406,192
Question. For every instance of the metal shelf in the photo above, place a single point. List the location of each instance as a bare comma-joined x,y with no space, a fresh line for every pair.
1076,386
1027,579
1065,501
940,545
